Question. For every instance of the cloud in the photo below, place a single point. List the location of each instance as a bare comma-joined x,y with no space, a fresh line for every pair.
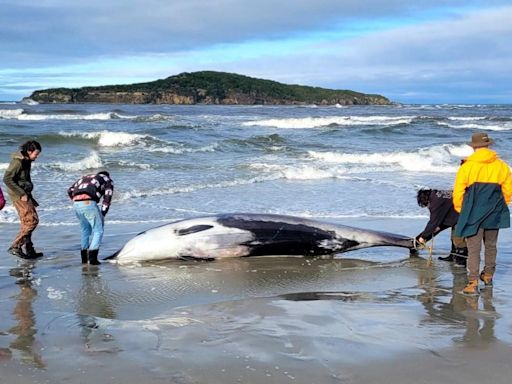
61,31
409,51
463,58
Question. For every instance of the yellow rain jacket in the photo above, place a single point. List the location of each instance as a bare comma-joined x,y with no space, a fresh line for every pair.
482,190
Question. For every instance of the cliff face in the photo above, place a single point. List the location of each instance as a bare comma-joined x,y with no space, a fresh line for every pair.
207,88
110,97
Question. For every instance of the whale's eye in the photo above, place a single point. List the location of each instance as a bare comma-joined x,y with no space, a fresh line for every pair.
193,229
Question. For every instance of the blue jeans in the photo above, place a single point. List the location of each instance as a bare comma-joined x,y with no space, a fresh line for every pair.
91,223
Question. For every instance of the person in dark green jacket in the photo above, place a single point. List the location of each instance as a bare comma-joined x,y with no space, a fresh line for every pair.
19,187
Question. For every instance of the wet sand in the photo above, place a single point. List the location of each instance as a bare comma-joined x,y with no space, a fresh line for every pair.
369,316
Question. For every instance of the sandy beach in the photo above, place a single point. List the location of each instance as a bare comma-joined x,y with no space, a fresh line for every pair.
369,316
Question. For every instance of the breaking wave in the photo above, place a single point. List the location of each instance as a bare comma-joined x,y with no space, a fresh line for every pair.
93,161
318,122
109,138
21,114
437,159
92,116
147,142
10,113
506,126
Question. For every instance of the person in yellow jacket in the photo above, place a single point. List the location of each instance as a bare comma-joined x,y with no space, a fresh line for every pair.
481,194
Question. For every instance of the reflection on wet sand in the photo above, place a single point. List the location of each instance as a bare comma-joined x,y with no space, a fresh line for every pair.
444,304
94,301
480,323
452,307
25,331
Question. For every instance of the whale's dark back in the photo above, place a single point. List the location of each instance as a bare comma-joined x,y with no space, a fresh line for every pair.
286,235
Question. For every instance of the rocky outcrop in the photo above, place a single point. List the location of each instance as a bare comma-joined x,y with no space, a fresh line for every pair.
207,88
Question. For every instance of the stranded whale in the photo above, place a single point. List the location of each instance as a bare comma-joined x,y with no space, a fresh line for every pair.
247,234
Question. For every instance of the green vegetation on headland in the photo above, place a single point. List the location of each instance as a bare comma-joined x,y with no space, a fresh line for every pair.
207,87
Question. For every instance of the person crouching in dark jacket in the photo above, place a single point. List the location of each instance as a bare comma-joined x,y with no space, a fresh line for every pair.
86,194
442,216
19,187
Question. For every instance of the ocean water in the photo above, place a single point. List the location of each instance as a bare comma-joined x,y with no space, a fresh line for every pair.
172,162
258,320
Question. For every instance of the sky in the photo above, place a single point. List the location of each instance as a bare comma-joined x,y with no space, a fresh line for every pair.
420,51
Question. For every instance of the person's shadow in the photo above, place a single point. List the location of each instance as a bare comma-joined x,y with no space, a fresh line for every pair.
25,342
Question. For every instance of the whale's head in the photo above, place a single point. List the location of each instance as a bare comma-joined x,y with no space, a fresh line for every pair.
199,238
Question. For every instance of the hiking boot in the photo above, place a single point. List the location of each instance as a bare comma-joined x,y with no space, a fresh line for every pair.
18,252
471,288
446,258
84,255
93,257
487,279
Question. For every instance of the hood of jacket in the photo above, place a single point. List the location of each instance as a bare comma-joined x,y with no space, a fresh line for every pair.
483,155
18,156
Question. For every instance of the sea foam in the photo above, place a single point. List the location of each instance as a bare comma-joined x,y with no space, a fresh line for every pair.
191,188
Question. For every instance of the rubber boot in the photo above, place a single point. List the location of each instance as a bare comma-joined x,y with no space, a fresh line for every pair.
31,252
93,257
17,252
84,255
450,256
461,256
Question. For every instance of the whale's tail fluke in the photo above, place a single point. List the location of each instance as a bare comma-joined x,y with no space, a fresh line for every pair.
112,256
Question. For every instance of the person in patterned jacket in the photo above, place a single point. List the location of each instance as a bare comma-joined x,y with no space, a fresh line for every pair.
86,194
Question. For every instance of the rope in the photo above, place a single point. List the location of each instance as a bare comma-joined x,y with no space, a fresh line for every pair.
430,252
